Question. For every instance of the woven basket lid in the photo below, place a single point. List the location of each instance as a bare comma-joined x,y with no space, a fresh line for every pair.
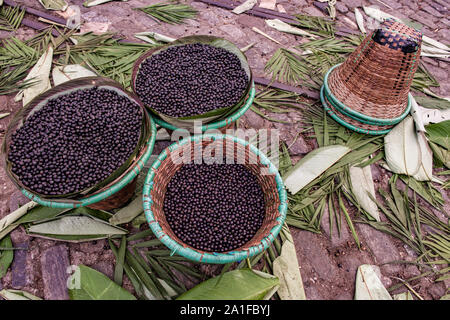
376,78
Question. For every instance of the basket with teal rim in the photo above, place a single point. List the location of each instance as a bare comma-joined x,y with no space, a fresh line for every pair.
369,92
166,165
115,190
222,120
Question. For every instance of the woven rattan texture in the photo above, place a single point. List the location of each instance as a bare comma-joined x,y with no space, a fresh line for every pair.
241,155
375,79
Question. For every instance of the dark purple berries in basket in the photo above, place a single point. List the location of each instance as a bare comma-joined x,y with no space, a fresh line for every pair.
214,208
191,79
75,141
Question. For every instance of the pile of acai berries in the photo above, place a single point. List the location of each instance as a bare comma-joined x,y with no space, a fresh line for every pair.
214,207
191,79
75,141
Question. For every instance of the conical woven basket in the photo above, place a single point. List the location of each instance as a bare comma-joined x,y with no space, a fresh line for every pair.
369,91
165,167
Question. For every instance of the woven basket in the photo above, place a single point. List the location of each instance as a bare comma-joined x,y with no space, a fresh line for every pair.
369,91
165,167
116,192
223,122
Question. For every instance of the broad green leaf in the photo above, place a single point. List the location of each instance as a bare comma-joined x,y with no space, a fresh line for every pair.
17,295
59,5
40,213
61,74
369,286
96,286
432,103
362,183
402,149
286,268
313,165
441,155
440,133
128,213
243,284
6,256
40,73
76,226
7,221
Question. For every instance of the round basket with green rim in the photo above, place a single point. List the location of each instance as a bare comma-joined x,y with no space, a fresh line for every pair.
167,165
369,91
118,187
220,118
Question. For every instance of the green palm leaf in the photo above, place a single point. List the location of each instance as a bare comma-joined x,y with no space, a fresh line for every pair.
10,17
170,13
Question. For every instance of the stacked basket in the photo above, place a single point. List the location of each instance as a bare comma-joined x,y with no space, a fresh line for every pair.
369,92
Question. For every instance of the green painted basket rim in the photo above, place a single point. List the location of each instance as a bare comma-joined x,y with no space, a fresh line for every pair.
215,257
335,117
357,115
108,192
218,124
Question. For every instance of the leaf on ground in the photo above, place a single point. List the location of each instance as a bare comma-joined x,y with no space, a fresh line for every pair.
128,213
245,6
402,149
91,3
285,27
432,103
425,172
286,268
360,20
242,284
62,74
6,256
403,296
96,286
10,294
268,4
362,183
369,286
40,73
439,133
76,226
313,165
59,5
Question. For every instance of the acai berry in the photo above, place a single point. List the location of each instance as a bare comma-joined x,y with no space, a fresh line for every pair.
214,207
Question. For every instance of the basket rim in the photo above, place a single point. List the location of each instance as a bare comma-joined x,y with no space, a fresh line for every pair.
335,117
214,257
218,124
357,115
108,192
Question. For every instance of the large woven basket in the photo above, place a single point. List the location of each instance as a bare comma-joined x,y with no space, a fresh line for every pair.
117,191
166,166
369,92
228,120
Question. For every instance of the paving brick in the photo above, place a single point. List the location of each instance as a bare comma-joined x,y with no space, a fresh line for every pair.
54,264
19,266
308,244
313,11
381,245
425,19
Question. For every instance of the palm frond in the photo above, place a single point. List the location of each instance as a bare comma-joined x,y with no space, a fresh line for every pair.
286,67
170,13
10,17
